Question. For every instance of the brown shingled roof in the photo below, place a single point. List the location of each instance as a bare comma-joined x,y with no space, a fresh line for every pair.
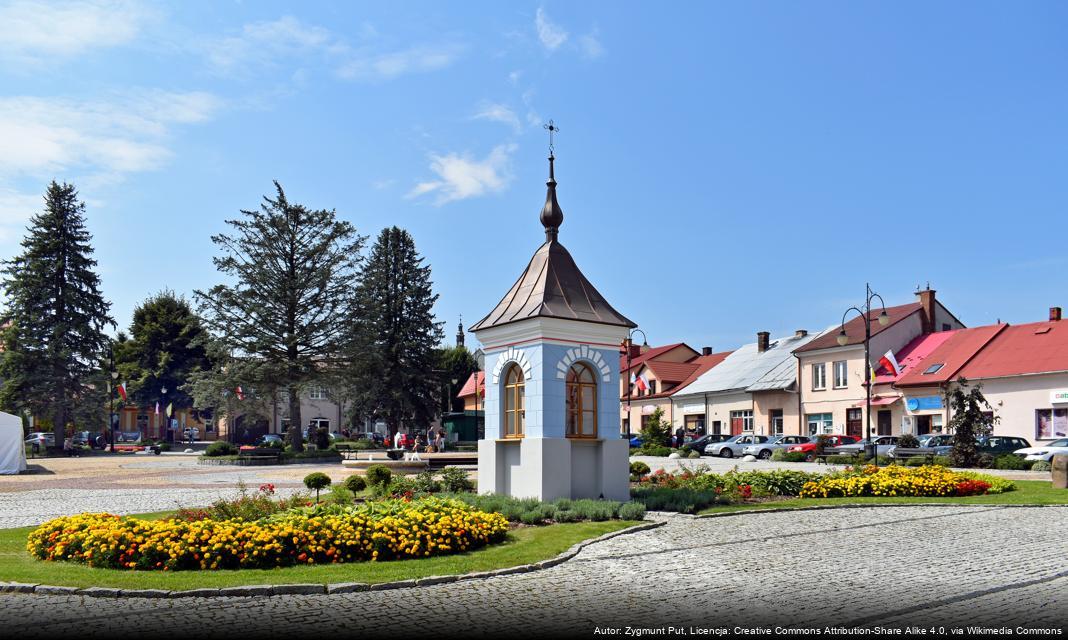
855,328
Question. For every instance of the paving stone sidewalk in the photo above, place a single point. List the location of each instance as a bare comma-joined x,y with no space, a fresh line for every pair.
942,566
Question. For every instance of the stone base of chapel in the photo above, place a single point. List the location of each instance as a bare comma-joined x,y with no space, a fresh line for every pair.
552,468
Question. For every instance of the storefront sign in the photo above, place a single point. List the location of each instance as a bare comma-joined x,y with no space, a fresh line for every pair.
1060,396
700,407
925,403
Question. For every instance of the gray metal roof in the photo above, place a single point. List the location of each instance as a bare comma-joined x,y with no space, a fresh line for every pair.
748,370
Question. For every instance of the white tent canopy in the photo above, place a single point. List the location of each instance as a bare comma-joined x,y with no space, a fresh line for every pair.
12,447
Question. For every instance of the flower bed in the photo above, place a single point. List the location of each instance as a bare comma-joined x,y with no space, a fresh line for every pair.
315,535
925,482
694,489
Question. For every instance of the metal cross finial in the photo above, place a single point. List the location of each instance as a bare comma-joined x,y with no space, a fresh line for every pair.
552,129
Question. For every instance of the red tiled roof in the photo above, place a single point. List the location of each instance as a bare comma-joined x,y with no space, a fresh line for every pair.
469,386
910,355
1036,347
953,354
651,353
673,372
855,328
703,364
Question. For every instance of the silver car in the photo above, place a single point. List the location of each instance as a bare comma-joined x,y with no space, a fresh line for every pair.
763,450
734,446
883,444
940,444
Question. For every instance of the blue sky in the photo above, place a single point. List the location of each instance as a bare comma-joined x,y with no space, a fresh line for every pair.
724,168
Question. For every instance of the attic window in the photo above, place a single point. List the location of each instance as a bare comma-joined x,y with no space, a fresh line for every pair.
934,368
1041,330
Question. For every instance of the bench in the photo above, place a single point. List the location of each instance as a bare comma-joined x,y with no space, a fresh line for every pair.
903,453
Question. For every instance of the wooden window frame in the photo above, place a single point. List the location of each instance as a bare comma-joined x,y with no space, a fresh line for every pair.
571,400
845,374
515,420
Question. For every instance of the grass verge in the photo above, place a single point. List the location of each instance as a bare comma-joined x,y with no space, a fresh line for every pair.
523,546
1027,492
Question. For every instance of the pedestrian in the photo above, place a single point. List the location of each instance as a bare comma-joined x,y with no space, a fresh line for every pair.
430,439
68,446
440,441
680,437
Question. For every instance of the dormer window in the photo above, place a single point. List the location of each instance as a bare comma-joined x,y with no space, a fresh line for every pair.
934,368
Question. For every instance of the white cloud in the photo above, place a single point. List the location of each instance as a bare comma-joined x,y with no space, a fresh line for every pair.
15,210
514,77
40,136
461,177
365,66
499,113
32,31
262,44
591,45
551,35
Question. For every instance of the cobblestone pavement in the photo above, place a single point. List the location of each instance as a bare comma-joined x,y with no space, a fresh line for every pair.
942,566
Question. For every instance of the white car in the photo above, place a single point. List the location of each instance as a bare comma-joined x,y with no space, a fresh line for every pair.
1046,451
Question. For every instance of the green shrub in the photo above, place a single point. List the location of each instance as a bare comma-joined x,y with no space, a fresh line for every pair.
220,448
693,455
782,482
632,511
1041,465
908,441
794,456
424,482
942,461
378,475
997,483
778,455
654,450
595,510
316,482
567,516
340,494
639,468
455,480
685,449
164,446
355,483
676,500
1012,461
362,444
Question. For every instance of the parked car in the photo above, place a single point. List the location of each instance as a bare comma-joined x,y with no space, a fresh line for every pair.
635,441
940,444
699,444
809,447
764,450
403,441
1000,445
40,441
270,440
373,436
733,446
1044,451
883,444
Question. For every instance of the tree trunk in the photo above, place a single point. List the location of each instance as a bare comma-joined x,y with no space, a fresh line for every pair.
59,426
296,426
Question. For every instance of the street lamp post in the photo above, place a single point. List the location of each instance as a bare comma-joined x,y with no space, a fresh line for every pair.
111,396
626,346
166,423
843,340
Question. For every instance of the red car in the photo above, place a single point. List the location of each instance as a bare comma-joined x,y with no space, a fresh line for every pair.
810,446
403,441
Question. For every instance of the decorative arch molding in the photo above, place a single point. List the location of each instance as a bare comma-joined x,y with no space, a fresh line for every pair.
512,354
583,352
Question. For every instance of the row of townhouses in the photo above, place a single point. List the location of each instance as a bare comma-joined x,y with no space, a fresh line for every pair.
815,382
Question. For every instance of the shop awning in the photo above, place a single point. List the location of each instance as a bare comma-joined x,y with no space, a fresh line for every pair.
878,401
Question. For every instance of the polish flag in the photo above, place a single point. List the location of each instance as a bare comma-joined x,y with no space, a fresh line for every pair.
240,393
122,391
890,363
641,382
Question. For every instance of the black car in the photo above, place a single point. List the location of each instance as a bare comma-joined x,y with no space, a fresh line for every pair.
699,444
376,438
1000,445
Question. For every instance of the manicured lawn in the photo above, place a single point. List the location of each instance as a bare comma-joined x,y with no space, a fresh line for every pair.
523,546
1027,492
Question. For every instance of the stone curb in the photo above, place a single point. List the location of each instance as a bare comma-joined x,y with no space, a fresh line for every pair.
316,589
819,507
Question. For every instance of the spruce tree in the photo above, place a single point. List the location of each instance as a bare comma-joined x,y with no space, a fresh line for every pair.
54,338
972,418
392,352
167,344
289,304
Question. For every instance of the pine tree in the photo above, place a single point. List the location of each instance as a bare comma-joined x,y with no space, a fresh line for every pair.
167,344
54,341
391,363
972,418
294,270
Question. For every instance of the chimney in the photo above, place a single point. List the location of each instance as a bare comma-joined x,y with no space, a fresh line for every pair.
635,350
706,351
1054,314
927,301
800,333
763,339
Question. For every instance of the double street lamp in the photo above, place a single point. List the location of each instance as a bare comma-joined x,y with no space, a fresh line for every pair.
111,396
626,349
843,340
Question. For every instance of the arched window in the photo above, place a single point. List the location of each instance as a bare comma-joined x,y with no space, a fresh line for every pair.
515,415
581,402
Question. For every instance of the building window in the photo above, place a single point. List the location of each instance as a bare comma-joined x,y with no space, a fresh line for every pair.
742,421
514,413
840,371
317,392
319,423
1051,423
581,402
695,423
776,422
820,423
936,424
934,368
819,376
652,388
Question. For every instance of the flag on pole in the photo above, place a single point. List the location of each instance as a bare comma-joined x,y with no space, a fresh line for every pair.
170,409
240,393
641,382
122,391
157,407
890,362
